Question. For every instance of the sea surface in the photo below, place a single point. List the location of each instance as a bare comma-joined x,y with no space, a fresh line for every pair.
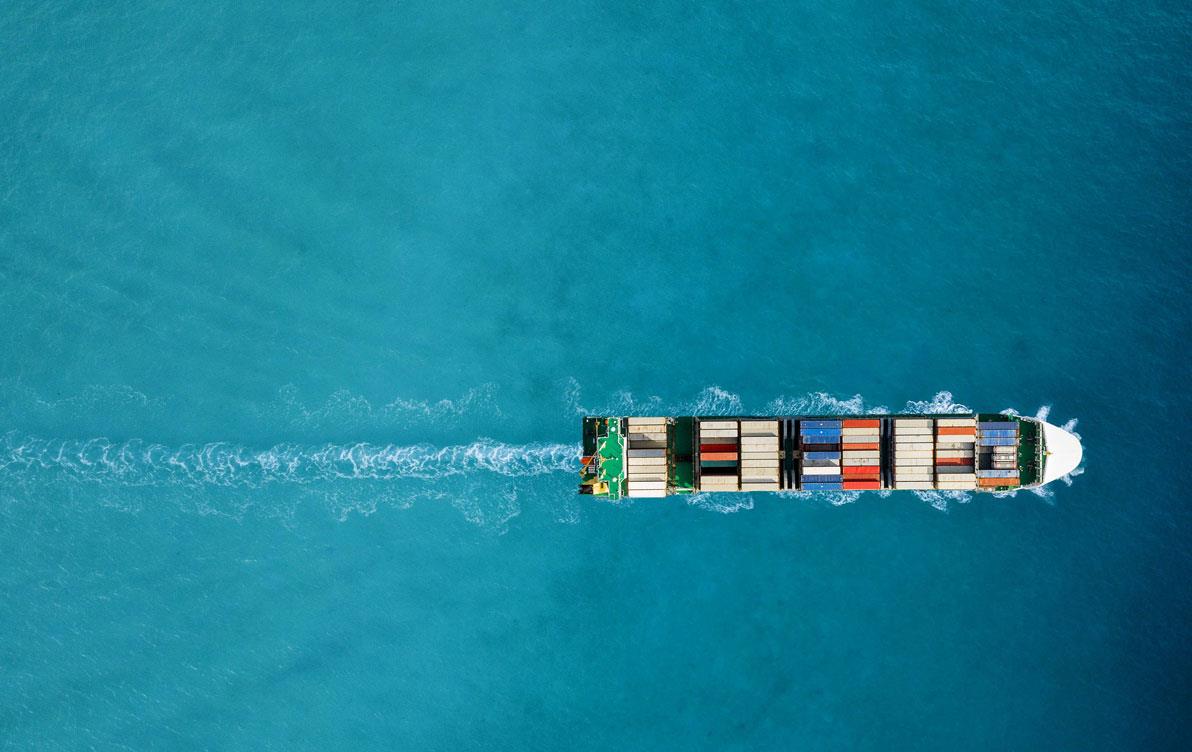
301,304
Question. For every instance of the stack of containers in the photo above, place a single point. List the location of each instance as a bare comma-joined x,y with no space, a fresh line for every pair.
913,453
820,441
955,459
759,455
998,446
861,460
718,455
645,461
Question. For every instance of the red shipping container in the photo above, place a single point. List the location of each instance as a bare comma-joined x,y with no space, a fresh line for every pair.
957,431
718,456
717,448
861,485
861,446
954,461
862,470
856,423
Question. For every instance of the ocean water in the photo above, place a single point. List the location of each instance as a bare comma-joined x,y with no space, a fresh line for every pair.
301,304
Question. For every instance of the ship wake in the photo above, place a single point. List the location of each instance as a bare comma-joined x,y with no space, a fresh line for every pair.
140,463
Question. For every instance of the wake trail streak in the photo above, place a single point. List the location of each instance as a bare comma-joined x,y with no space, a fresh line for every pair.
138,463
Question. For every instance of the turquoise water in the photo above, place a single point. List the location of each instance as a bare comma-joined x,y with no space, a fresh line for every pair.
301,304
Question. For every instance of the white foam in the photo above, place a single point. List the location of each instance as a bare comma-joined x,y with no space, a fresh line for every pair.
137,463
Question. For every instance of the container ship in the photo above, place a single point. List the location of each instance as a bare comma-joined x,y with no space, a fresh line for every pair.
654,457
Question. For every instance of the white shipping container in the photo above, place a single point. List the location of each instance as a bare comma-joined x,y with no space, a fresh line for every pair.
912,461
646,461
957,422
637,478
718,433
954,453
759,486
912,422
911,443
718,424
867,453
914,431
648,484
902,454
647,422
649,494
957,477
753,455
762,442
860,462
718,487
821,471
862,431
718,481
760,427
956,486
913,485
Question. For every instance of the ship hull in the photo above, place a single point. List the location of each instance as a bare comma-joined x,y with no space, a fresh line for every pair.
650,457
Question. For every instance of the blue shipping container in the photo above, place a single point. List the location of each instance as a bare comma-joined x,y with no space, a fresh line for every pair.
823,486
822,478
822,432
821,455
1000,434
997,473
1010,425
994,441
820,424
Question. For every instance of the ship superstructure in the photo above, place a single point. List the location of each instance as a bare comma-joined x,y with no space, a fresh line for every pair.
660,456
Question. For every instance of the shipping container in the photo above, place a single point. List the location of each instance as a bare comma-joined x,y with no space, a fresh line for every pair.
821,455
861,485
827,470
642,453
847,446
861,423
859,469
948,431
719,447
706,456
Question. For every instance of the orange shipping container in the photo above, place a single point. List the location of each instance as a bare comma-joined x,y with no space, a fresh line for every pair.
861,446
718,456
957,431
862,423
997,482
